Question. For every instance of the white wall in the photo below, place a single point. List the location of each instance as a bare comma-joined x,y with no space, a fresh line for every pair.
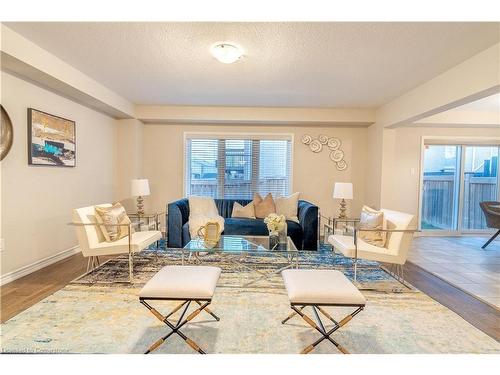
313,174
37,201
128,159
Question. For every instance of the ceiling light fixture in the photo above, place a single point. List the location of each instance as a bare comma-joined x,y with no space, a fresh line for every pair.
226,53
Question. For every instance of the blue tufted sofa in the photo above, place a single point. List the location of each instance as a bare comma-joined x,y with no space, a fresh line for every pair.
303,234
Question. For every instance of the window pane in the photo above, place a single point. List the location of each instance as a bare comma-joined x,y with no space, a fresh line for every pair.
238,169
203,167
274,167
440,187
480,183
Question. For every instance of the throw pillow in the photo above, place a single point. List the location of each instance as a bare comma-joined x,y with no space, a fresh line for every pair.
202,206
109,217
201,211
288,206
263,207
372,219
247,211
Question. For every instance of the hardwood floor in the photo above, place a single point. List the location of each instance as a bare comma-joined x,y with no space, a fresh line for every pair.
20,294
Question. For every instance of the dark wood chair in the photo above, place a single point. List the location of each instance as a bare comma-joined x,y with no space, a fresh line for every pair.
491,212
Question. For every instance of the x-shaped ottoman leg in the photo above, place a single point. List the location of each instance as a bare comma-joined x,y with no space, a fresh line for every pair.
320,327
321,310
181,322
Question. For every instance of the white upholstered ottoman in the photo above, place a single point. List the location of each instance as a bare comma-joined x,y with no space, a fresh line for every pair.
317,288
186,284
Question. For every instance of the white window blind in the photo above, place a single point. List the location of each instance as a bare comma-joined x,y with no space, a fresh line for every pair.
237,166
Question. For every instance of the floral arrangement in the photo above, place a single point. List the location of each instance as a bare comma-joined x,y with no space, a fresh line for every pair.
275,222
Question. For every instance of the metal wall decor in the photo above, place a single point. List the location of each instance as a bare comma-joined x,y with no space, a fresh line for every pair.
323,142
7,134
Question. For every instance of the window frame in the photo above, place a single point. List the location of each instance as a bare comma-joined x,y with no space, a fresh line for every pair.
238,136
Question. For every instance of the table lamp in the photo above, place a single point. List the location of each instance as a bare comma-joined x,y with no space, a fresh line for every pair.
140,188
342,190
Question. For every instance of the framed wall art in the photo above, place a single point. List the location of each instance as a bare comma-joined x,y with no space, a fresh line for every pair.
51,140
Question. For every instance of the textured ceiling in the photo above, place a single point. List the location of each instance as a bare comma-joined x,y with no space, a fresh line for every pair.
285,64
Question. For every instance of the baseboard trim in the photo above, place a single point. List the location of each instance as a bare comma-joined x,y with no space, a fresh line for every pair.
26,270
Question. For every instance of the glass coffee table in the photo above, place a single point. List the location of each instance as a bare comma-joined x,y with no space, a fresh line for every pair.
237,248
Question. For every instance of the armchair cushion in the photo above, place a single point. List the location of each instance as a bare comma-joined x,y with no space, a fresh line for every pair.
138,242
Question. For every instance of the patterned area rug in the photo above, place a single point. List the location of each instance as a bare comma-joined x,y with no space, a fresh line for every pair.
95,315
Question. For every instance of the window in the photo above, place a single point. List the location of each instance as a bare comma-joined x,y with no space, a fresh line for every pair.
237,166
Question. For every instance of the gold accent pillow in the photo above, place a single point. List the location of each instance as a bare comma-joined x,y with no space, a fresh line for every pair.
109,217
372,219
263,207
247,211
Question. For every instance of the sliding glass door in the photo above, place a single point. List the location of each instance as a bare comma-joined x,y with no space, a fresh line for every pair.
480,176
441,187
455,179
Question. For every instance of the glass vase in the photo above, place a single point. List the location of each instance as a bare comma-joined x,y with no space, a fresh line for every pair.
274,240
282,237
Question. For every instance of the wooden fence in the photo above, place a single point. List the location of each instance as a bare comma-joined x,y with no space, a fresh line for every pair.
438,201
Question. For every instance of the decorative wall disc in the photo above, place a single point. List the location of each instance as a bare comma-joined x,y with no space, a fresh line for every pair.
334,147
323,139
341,165
315,146
334,143
306,139
337,155
7,134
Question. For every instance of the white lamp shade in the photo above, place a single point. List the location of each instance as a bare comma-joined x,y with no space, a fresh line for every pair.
342,190
139,187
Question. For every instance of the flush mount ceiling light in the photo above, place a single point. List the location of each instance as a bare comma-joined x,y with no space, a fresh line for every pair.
226,53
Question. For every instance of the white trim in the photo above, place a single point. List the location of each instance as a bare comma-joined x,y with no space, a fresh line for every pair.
39,264
461,140
240,135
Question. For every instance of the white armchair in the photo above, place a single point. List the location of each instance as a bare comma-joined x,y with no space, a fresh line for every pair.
93,244
399,238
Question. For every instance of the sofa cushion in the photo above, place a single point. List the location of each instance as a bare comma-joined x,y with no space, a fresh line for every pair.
242,226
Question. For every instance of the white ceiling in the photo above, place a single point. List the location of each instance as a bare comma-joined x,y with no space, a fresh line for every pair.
285,64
